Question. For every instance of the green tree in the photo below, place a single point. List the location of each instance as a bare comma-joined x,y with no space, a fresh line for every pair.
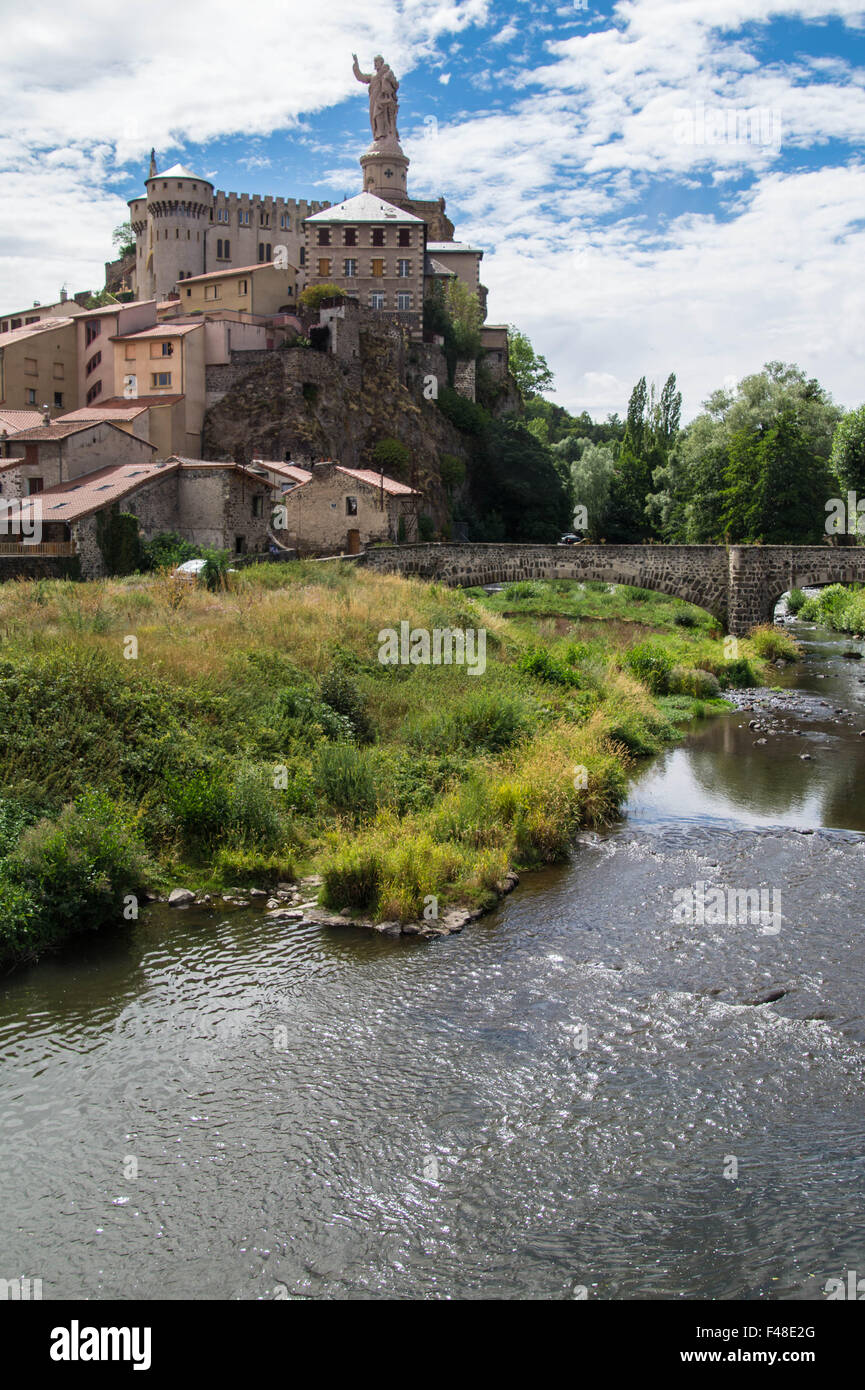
392,457
528,368
515,482
592,479
123,238
313,296
848,451
464,311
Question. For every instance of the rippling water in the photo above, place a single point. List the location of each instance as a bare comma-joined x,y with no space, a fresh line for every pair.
332,1115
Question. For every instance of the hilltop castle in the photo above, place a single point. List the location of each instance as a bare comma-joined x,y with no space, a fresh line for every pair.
184,227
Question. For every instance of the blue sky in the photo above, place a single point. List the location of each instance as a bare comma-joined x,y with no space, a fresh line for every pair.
635,218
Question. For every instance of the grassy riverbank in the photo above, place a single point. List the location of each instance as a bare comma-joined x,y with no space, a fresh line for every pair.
155,734
838,607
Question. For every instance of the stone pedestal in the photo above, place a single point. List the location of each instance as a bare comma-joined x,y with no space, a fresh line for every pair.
385,171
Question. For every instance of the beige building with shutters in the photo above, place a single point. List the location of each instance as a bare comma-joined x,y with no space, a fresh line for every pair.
374,251
38,367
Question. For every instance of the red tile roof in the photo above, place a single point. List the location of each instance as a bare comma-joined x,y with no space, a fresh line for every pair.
161,330
62,428
119,408
238,270
363,475
12,420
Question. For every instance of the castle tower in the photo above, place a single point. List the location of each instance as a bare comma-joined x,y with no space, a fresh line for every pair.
170,225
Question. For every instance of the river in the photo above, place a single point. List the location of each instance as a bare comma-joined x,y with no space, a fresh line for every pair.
577,1096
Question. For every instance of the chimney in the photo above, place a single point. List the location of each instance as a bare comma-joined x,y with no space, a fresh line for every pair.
63,295
46,418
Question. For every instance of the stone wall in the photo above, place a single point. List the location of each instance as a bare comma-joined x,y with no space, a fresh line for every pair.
317,520
739,586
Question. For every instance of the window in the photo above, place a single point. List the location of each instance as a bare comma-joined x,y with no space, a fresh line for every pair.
91,331
349,269
265,219
160,379
223,249
167,349
189,294
31,396
403,268
243,218
303,255
239,545
264,251
243,287
30,366
159,349
378,269
405,236
15,323
376,300
351,506
34,318
212,292
95,390
58,399
258,505
59,372
222,214
324,267
324,236
130,352
4,326
350,235
35,485
93,363
378,236
403,301
285,222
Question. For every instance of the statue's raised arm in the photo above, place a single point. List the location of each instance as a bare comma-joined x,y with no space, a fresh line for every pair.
361,76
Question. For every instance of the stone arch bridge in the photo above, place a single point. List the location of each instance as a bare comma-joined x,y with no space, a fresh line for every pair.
739,585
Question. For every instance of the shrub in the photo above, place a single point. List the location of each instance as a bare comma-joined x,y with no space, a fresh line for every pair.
525,588
795,600
253,812
484,722
452,471
544,666
251,867
351,878
214,573
343,774
340,693
314,295
167,550
70,875
391,456
686,680
198,803
684,618
772,643
651,666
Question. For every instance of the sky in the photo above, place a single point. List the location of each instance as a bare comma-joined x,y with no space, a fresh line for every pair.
658,185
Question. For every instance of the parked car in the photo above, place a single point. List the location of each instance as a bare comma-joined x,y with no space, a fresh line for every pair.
571,539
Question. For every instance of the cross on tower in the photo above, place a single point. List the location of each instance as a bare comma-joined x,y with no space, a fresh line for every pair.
388,173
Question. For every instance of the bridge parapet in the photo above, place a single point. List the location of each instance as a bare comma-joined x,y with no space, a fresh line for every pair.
739,585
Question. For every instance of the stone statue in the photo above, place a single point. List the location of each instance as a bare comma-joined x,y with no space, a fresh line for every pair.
383,103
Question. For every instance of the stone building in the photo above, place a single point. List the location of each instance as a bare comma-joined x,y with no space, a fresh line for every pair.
330,509
35,460
210,504
184,227
373,250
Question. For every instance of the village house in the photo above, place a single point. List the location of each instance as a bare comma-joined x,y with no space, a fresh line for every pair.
95,331
64,307
253,289
330,509
38,366
218,504
33,460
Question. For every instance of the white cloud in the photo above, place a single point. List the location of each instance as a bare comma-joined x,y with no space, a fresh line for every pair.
505,35
556,184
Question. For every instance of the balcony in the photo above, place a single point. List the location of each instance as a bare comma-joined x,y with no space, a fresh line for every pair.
23,549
